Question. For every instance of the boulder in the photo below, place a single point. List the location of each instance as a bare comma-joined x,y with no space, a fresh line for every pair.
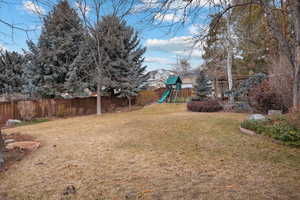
7,141
12,122
256,117
27,145
274,112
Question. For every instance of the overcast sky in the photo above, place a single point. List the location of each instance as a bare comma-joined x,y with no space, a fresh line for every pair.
164,45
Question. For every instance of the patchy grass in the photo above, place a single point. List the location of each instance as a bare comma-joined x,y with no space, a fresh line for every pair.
159,152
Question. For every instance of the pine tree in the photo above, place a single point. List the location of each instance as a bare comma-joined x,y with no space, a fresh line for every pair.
202,86
58,46
111,58
11,72
128,73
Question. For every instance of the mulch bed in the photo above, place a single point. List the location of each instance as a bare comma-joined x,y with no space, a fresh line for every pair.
15,155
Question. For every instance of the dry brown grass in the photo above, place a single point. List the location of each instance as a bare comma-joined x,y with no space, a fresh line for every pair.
159,152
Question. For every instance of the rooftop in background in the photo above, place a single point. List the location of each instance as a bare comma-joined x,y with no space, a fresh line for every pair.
173,80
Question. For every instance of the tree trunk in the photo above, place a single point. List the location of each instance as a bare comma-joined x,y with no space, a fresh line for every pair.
129,103
296,81
286,47
99,110
1,150
229,61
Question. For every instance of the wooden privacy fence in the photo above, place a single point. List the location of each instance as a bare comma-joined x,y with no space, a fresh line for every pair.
183,93
150,96
25,110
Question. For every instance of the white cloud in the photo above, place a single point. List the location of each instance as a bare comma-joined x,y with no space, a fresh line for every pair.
33,8
198,29
158,60
167,17
83,7
177,46
193,29
2,47
175,4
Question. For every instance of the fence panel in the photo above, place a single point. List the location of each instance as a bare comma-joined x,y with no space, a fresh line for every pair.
57,107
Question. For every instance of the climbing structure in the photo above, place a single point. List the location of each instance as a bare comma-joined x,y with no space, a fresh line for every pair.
173,86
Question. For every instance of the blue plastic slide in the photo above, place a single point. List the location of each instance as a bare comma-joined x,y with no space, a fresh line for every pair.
165,96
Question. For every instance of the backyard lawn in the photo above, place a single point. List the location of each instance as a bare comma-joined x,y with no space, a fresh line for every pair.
159,152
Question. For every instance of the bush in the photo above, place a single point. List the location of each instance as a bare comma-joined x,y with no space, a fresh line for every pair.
262,98
278,128
196,98
256,126
204,106
181,100
146,97
26,110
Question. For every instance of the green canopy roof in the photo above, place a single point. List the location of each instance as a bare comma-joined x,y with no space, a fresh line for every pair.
173,80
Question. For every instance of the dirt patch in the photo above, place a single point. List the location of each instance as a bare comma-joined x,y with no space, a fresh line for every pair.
14,155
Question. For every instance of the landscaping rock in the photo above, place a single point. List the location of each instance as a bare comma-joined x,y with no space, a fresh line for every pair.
247,131
7,141
12,122
29,146
274,112
256,117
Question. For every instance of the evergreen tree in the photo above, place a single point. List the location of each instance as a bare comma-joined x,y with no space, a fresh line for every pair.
110,59
126,54
202,86
11,72
58,46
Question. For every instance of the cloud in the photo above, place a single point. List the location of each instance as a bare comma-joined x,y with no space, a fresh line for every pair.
33,8
177,46
2,48
198,29
167,17
193,29
82,7
174,4
158,60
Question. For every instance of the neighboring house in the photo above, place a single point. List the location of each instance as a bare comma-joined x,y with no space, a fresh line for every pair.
158,77
188,82
189,79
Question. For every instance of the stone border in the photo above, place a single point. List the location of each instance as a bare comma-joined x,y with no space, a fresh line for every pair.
247,131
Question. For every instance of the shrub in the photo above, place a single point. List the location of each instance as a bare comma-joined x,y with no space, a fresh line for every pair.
204,106
26,110
146,97
196,98
180,100
262,98
256,126
278,128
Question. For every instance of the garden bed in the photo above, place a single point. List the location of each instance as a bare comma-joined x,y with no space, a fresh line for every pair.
18,147
282,128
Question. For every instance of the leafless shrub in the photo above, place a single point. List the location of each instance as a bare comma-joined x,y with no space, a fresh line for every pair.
26,110
281,80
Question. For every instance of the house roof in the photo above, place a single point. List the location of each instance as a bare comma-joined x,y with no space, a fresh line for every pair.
172,80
